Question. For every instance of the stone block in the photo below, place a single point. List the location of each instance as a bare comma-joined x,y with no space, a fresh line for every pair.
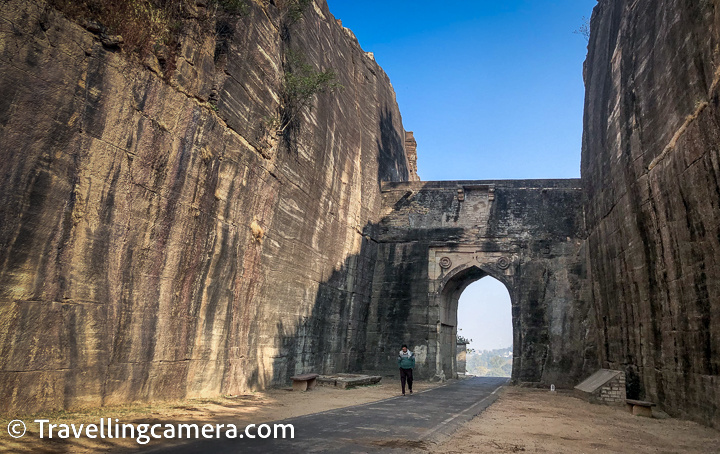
345,381
642,411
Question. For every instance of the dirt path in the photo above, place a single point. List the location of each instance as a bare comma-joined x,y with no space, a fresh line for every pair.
534,421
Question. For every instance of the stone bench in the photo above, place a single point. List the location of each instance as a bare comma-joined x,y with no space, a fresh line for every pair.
304,382
640,407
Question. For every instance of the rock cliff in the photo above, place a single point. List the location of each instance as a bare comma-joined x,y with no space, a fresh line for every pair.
651,170
156,241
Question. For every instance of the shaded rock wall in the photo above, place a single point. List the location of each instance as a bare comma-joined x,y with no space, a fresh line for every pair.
651,170
435,238
153,246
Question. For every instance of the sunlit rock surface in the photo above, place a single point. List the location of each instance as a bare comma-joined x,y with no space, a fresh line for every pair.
157,247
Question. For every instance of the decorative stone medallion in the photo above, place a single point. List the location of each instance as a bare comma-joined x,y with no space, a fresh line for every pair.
503,263
445,263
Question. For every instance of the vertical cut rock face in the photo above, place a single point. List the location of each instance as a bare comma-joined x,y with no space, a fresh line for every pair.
651,172
154,246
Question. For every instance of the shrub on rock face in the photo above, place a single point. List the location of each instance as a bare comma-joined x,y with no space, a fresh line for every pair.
150,26
301,82
295,9
141,23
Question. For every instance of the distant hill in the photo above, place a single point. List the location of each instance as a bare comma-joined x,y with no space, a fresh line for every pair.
490,363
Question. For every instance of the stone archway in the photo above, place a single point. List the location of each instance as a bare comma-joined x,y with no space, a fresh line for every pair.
436,238
450,272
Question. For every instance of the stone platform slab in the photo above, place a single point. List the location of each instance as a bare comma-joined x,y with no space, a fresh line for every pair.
345,381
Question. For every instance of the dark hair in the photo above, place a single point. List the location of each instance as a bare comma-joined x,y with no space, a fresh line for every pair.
404,346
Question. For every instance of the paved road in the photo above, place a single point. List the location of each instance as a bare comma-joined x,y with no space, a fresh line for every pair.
398,424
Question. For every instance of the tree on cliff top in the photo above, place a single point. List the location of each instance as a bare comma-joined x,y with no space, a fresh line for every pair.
584,29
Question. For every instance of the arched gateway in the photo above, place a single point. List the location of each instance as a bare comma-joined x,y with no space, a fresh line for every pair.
468,268
436,238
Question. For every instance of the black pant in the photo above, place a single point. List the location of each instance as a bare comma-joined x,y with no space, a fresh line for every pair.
406,374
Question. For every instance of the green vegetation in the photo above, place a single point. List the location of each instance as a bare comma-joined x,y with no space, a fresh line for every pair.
233,7
141,23
157,26
296,8
490,363
301,82
147,24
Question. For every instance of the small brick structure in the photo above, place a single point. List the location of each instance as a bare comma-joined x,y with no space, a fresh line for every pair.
603,387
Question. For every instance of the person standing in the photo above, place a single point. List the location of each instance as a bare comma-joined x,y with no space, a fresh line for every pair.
406,361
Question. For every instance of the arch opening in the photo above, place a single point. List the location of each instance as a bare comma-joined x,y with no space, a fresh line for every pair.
485,322
454,286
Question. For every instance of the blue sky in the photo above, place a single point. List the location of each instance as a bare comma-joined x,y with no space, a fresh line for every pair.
492,89
485,315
